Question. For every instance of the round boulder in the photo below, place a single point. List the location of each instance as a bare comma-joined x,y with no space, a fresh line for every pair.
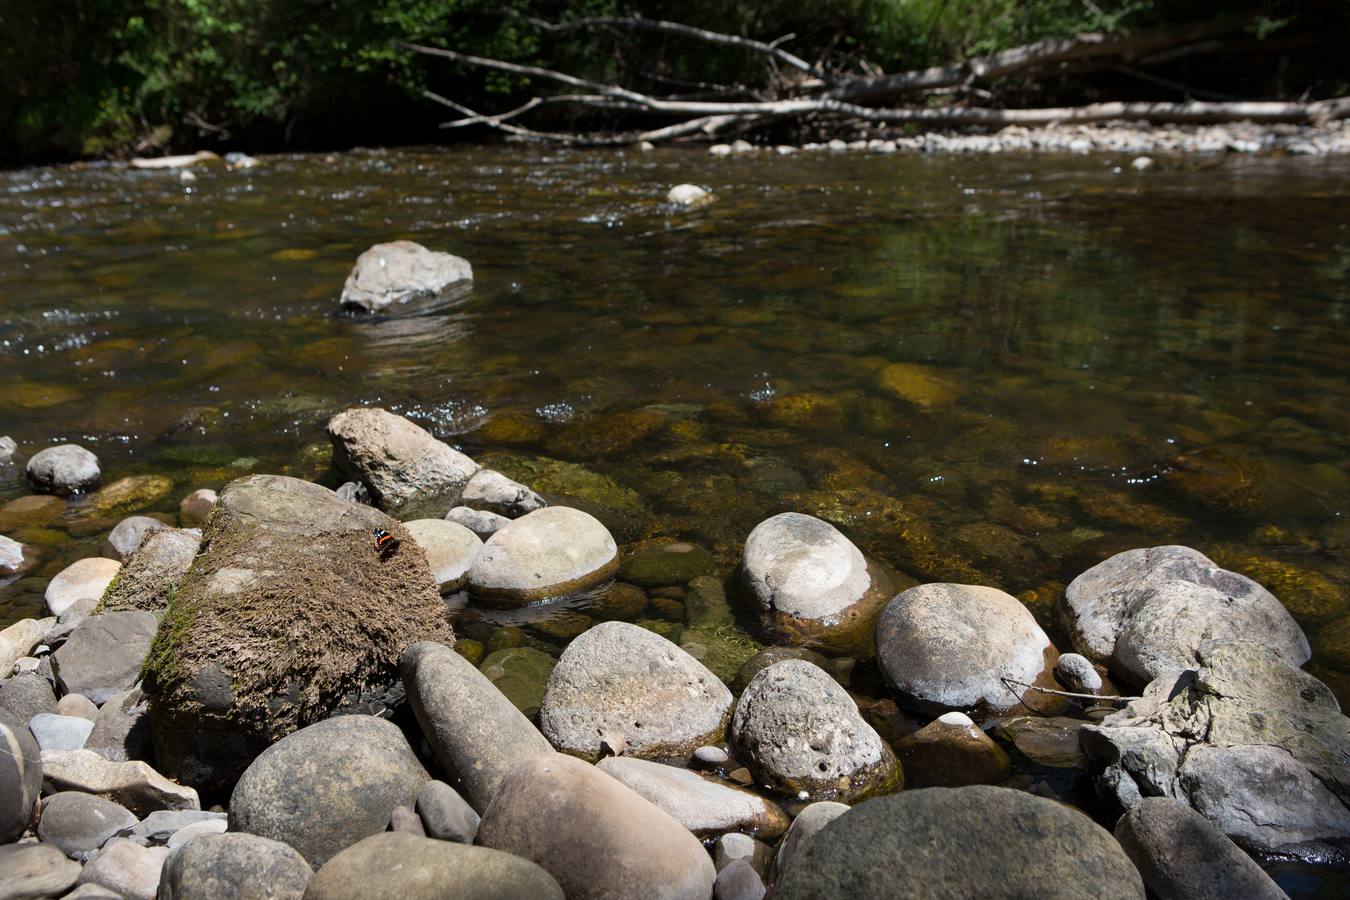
80,823
599,839
64,470
82,579
550,552
234,867
398,866
1148,611
961,842
450,548
621,685
16,558
962,647
811,585
800,733
327,786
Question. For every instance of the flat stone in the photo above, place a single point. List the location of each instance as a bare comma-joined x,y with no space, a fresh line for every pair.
53,732
621,684
63,470
196,830
20,777
81,823
702,805
547,553
568,816
445,814
473,729
964,842
450,548
493,492
419,868
1181,855
405,469
103,655
84,578
801,734
399,272
234,867
956,647
327,786
133,784
127,868
126,536
35,871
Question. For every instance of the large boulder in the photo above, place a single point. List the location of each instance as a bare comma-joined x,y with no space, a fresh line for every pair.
474,731
234,867
400,272
1182,856
84,579
153,571
103,655
962,647
976,841
327,786
64,470
288,616
1146,612
801,734
812,587
625,687
547,553
405,470
1252,743
705,806
396,866
20,777
598,838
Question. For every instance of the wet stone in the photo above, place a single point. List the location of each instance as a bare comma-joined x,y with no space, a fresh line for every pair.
64,470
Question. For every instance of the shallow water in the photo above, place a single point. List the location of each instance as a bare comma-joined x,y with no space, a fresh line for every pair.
1102,359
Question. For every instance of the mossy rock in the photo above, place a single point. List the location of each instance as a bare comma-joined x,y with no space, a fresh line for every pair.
568,484
663,563
287,616
1308,595
671,631
130,494
724,649
1331,646
923,386
521,673
590,437
805,410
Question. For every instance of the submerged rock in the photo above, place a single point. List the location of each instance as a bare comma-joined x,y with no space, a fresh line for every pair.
1252,743
547,553
288,616
599,839
1146,612
399,272
688,195
976,841
567,484
406,470
945,647
327,786
667,563
801,734
923,386
623,686
16,558
812,586
418,868
521,674
64,470
473,729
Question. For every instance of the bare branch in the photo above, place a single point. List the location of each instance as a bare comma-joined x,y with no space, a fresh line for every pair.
1054,693
712,37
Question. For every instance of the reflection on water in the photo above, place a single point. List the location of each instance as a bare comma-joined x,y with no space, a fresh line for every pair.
998,370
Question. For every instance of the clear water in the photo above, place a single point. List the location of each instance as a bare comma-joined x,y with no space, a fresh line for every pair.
1123,359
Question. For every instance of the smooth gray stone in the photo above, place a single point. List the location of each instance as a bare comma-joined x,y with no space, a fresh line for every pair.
234,867
81,823
53,732
445,814
35,871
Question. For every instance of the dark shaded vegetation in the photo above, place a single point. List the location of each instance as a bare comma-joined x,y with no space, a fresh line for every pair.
115,77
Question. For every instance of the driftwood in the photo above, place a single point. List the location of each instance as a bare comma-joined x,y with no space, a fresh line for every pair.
818,94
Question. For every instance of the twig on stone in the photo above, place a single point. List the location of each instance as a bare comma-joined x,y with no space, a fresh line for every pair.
1008,682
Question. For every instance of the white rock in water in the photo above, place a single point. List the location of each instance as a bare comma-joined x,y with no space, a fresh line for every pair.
64,470
547,553
398,272
174,162
646,146
1141,163
688,195
720,150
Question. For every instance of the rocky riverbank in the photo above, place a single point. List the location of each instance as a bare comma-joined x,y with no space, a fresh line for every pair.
326,680
292,689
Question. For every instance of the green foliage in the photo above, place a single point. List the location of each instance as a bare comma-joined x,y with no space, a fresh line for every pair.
94,77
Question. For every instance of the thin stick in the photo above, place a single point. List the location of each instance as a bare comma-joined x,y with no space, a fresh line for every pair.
1041,690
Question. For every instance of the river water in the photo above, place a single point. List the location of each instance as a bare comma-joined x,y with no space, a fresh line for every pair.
1092,358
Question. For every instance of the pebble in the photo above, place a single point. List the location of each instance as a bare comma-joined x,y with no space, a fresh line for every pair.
737,846
688,195
1076,673
711,757
77,705
126,536
738,881
234,867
